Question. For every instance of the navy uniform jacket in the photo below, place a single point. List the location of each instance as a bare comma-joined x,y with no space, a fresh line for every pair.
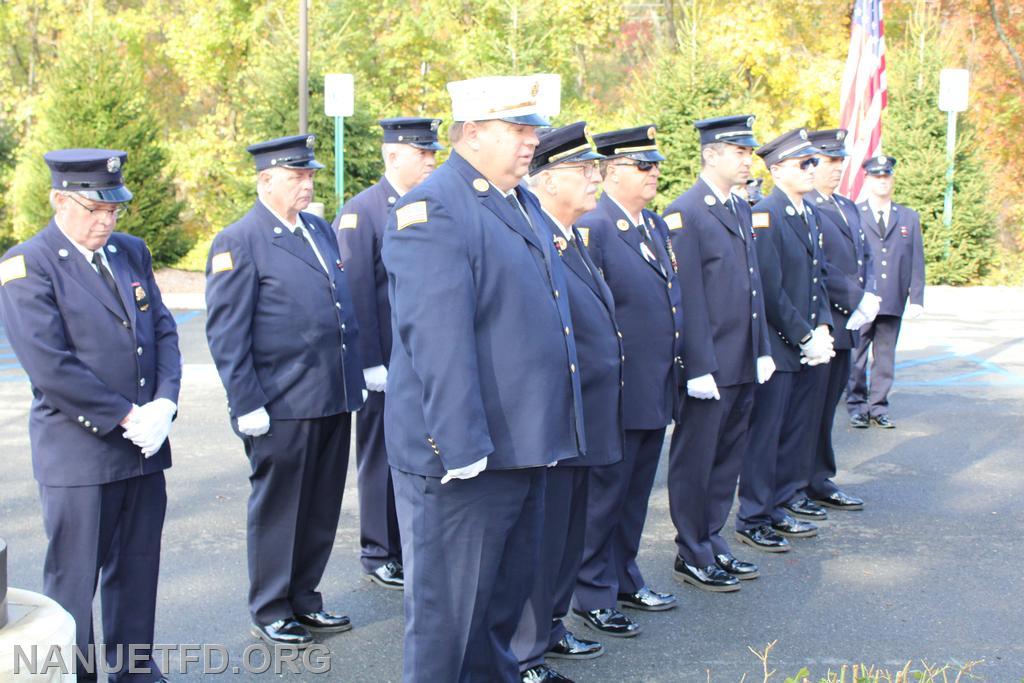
720,285
282,331
898,253
483,361
848,260
648,310
360,227
792,274
599,348
86,362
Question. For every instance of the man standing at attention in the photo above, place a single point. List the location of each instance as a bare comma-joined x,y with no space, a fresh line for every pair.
282,330
726,352
483,389
894,233
408,150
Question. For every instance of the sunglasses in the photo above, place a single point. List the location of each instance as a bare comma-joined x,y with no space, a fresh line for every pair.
809,162
642,166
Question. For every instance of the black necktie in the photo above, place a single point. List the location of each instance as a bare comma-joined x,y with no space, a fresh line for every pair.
645,237
105,275
730,204
514,201
881,221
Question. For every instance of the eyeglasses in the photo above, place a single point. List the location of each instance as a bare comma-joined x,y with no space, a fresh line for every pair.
809,162
587,169
642,166
116,212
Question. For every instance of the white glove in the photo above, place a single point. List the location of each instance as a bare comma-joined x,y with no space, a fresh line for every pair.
149,425
818,349
256,423
865,312
913,311
467,472
765,368
702,387
376,378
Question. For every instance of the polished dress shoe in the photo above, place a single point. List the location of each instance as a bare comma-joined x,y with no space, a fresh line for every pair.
709,578
610,622
542,673
763,538
647,600
841,501
807,509
324,621
389,575
743,571
795,528
571,647
859,421
883,421
284,632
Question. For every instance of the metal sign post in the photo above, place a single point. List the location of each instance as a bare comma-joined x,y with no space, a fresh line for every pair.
953,86
339,102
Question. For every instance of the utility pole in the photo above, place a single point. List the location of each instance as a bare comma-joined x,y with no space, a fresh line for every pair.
303,67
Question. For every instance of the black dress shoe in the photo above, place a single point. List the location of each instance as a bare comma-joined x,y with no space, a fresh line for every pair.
542,673
763,538
610,622
883,421
284,632
743,571
324,621
571,647
647,600
859,421
795,528
841,501
807,509
709,578
389,575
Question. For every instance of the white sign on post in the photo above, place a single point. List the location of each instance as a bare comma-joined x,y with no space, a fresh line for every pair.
953,86
339,95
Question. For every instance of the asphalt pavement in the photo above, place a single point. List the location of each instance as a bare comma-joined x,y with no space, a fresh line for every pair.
930,570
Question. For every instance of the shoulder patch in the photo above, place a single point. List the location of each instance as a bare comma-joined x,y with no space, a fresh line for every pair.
761,219
348,221
585,236
13,269
411,214
674,220
221,262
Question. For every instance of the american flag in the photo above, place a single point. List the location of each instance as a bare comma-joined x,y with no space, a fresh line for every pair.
864,95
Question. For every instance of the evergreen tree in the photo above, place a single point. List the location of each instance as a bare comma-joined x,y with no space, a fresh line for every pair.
96,96
914,132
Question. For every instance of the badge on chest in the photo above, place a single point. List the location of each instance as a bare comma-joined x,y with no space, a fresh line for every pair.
141,298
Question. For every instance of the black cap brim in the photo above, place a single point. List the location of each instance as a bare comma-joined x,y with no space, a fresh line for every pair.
881,171
114,195
308,164
834,154
646,155
742,141
527,120
429,146
809,151
585,155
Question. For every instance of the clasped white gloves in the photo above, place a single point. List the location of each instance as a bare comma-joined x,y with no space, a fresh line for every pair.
765,368
818,349
467,472
376,378
702,387
148,426
866,311
913,311
256,423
